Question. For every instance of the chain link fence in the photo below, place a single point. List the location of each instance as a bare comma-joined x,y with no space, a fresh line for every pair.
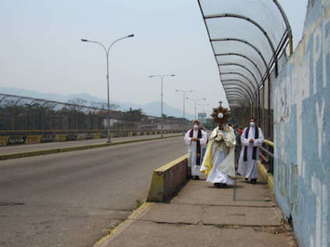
25,116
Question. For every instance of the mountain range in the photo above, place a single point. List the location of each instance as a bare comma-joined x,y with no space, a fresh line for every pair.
152,109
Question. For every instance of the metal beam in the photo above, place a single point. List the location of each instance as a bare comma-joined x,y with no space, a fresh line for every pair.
234,97
242,84
287,23
237,16
245,77
230,94
239,100
244,42
242,66
240,55
236,90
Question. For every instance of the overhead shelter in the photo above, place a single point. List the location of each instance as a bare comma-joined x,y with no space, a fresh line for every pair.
247,37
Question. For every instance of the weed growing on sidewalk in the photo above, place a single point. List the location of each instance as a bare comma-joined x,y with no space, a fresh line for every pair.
139,203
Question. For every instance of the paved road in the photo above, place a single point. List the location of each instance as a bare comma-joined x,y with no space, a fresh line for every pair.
71,199
50,145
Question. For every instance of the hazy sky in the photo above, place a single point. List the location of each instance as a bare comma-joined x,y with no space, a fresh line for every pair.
41,50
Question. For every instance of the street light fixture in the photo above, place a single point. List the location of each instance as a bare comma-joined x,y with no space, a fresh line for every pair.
195,101
161,96
107,50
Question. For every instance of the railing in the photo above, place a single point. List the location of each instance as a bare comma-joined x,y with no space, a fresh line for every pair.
267,155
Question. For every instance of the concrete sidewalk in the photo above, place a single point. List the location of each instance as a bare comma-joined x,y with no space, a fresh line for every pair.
202,215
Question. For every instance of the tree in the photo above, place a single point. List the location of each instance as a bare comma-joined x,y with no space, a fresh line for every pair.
77,104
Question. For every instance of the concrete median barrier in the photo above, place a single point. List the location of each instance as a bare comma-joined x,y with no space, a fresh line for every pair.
97,136
4,140
168,180
60,138
33,139
81,137
16,140
47,138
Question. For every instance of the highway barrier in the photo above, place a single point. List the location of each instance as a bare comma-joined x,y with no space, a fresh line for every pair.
41,136
47,138
33,139
60,138
16,140
168,180
4,140
96,135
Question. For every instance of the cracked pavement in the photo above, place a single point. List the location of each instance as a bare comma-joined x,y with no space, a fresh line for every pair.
202,215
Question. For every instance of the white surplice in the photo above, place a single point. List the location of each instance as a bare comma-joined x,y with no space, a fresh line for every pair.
249,168
218,162
203,146
192,151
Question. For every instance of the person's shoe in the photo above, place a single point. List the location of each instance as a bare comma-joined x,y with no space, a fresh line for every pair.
253,181
197,177
238,174
223,185
218,185
246,179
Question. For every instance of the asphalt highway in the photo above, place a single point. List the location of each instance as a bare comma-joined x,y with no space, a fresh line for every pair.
74,198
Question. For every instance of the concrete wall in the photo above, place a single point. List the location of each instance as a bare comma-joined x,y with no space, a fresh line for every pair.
302,131
168,179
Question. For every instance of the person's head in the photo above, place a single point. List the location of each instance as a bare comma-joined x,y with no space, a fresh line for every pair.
252,122
196,124
233,125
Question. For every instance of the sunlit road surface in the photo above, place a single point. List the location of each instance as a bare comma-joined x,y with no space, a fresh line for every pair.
72,199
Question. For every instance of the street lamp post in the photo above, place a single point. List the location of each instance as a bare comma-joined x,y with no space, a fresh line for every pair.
161,96
107,50
203,105
184,99
184,103
195,101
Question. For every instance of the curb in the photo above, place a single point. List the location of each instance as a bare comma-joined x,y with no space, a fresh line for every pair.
105,241
268,177
76,148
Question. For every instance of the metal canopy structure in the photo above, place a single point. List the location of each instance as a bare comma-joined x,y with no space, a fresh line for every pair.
247,37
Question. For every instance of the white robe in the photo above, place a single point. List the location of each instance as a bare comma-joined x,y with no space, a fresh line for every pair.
203,147
249,168
192,151
220,156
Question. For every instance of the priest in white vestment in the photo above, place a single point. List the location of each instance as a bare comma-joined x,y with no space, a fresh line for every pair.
203,146
219,159
252,138
195,138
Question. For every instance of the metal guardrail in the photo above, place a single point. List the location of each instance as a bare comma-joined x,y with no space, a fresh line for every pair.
267,154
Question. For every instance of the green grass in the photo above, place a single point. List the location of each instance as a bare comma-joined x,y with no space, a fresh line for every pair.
139,203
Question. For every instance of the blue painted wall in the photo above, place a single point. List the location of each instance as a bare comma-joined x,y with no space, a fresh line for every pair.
301,97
